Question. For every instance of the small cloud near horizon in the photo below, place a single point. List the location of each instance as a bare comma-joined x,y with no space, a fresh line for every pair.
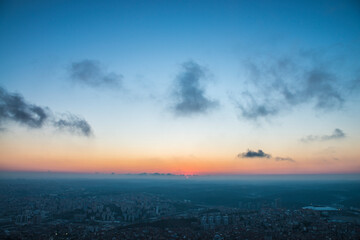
280,159
337,134
253,154
261,154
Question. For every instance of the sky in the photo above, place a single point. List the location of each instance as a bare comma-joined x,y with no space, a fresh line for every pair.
181,87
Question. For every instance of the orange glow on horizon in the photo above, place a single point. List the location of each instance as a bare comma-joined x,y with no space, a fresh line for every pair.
78,158
186,167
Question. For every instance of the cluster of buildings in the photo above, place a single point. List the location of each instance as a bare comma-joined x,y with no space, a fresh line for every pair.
66,212
256,204
122,209
213,220
265,224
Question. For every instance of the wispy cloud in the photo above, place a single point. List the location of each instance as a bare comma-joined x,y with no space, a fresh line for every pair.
337,134
280,159
93,74
190,92
73,124
277,85
14,108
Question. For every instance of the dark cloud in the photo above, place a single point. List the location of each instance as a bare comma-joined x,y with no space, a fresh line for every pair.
74,124
261,154
190,92
337,134
14,108
253,154
275,86
91,73
280,159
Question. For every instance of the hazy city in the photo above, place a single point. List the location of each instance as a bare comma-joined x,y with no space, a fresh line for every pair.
175,207
180,119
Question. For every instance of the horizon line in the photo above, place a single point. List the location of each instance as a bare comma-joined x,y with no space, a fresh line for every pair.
169,174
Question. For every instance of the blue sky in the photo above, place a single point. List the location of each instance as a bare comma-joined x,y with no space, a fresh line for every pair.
246,54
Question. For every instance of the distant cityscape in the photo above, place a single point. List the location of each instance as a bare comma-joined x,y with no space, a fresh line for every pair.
39,209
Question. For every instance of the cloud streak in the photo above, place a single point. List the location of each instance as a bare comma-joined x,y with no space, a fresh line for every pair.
286,159
337,134
190,92
14,108
91,73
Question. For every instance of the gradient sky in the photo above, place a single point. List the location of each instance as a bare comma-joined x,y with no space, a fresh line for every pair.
190,87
